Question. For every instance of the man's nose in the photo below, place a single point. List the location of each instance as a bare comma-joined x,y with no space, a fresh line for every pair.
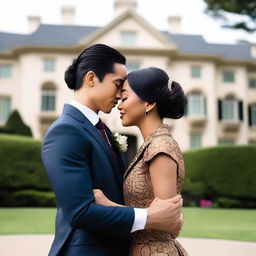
119,107
118,94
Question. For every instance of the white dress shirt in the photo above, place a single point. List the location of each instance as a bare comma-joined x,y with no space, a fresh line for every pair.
140,214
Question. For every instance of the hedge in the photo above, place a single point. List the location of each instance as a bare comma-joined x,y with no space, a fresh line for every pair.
22,170
227,172
22,198
226,175
21,165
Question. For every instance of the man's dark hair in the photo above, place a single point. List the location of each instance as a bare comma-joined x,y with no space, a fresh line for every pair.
98,58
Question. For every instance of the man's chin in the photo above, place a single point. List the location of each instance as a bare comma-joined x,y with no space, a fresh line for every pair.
106,111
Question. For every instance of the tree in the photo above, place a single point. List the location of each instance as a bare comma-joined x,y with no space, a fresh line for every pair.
15,125
245,9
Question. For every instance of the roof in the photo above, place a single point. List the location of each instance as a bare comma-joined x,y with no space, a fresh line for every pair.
195,44
70,35
47,35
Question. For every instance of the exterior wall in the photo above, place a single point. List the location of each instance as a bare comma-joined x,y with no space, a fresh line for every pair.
144,38
28,77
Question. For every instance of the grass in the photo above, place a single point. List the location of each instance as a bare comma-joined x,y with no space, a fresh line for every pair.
27,220
230,224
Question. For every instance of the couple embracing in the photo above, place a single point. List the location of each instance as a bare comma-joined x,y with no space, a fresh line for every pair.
105,208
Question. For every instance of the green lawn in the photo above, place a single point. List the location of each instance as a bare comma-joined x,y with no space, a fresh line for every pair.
231,224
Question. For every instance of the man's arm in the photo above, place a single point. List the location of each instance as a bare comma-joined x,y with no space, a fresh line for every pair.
65,156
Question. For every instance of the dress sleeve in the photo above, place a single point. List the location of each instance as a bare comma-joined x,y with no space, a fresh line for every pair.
160,145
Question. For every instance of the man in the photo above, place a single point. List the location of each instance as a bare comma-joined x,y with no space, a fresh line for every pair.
78,157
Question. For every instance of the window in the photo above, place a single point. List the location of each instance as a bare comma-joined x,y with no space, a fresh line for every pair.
230,110
196,105
226,142
252,115
5,109
195,141
228,76
48,100
128,38
49,65
195,72
132,66
5,71
252,83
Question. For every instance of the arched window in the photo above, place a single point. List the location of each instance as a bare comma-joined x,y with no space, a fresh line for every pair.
196,104
48,97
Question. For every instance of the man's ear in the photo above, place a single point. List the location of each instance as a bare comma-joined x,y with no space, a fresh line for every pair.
150,106
89,78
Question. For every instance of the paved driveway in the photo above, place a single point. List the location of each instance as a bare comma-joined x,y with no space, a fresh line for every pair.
38,245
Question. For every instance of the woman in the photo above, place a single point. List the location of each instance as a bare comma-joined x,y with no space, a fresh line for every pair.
157,171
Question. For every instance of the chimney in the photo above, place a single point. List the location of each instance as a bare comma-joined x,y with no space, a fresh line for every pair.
121,6
68,15
33,23
174,24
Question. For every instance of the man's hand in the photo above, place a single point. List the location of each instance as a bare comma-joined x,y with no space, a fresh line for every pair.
165,215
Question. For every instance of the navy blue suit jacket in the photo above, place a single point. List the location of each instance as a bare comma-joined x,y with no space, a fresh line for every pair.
77,159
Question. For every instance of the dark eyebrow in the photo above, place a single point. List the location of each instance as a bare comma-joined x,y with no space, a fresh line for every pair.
124,90
119,80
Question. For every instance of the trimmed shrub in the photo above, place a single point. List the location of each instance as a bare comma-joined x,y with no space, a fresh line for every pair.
224,202
21,165
22,198
21,172
222,172
34,198
15,125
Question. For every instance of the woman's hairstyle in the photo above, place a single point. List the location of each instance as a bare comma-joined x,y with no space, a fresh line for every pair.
98,58
151,85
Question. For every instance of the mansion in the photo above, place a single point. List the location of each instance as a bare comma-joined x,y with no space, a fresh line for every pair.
218,79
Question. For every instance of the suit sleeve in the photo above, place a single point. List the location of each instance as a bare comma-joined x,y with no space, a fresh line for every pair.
65,155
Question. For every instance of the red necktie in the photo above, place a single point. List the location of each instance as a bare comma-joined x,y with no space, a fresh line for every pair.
100,126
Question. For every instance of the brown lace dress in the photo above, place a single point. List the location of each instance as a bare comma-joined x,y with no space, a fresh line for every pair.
138,192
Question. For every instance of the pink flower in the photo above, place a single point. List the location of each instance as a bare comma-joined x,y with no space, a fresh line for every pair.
205,203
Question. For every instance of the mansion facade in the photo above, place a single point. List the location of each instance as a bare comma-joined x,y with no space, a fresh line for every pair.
218,79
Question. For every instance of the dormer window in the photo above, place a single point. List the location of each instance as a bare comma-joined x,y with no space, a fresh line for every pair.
128,37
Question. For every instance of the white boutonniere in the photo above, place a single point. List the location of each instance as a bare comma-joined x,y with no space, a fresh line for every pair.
121,142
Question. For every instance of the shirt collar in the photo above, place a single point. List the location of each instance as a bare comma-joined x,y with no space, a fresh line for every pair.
89,114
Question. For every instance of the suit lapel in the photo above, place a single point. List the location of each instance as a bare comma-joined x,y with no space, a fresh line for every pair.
87,125
91,129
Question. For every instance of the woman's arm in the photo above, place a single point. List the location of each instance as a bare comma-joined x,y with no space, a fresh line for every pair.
163,173
100,198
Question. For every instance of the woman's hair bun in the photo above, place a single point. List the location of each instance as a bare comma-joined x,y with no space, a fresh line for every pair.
173,107
70,75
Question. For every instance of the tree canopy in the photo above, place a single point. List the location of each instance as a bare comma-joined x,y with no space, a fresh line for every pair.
245,9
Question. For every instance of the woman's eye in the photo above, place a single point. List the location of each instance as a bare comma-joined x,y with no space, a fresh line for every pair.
124,99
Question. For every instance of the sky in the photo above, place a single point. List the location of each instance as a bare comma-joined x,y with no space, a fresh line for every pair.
14,13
